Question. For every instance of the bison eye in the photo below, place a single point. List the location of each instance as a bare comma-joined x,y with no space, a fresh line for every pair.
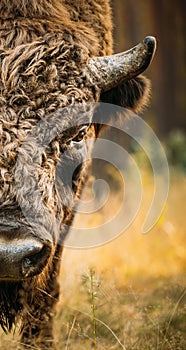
81,134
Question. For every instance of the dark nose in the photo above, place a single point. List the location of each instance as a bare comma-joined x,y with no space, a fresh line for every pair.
21,258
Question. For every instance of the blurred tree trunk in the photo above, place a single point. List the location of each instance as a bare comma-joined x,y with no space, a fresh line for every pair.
168,20
165,20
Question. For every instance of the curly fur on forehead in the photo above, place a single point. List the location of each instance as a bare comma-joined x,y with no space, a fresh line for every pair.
37,79
88,19
32,8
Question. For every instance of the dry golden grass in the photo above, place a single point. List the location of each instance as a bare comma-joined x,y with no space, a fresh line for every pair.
134,297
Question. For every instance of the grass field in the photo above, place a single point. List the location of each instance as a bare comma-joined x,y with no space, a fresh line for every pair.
131,293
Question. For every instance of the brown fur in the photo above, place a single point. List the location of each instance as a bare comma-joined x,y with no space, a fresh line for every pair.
44,48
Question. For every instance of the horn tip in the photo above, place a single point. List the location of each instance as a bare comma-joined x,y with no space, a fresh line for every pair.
150,41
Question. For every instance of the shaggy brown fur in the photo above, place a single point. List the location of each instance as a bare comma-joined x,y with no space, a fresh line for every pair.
44,48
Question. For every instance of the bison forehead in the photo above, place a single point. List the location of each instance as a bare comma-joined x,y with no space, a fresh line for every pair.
44,75
37,79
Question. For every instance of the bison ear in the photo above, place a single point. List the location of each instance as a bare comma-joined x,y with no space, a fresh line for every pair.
133,94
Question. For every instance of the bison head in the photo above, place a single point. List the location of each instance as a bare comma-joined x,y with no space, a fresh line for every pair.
45,124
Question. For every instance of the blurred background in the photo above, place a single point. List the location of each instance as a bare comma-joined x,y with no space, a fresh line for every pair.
166,21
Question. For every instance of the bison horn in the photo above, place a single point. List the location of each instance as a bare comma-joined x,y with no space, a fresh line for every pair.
109,71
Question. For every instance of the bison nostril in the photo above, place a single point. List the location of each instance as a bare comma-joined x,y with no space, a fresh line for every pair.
35,262
22,257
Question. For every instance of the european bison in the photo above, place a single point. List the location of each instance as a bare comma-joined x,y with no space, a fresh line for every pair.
52,56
